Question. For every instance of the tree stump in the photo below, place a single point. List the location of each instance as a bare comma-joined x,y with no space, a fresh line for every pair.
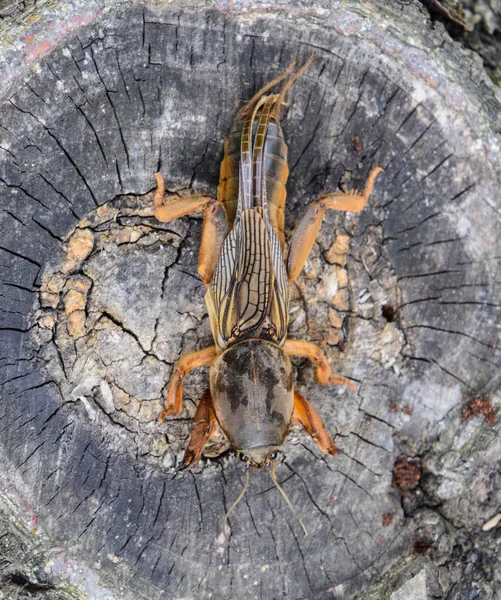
98,300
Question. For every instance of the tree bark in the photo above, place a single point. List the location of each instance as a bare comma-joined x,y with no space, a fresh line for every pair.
98,300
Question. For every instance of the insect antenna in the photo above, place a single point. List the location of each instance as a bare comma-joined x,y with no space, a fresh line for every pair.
232,507
289,503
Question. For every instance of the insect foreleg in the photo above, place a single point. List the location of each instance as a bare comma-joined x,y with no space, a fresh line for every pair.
205,422
202,358
323,370
168,208
308,227
305,415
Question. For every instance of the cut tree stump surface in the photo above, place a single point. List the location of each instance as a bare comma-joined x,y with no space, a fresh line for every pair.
98,300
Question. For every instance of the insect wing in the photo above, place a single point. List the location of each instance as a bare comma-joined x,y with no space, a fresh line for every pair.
244,287
254,274
278,319
241,283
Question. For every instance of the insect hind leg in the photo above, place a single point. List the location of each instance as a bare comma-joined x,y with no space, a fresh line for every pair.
171,207
214,232
307,229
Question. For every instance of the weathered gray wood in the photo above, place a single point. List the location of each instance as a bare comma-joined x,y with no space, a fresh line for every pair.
147,88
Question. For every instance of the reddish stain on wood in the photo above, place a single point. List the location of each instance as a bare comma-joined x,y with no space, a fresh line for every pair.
387,519
38,51
406,474
479,407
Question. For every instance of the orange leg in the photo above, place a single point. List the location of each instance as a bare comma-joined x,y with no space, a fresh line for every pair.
168,208
214,230
205,422
308,227
313,353
202,358
304,414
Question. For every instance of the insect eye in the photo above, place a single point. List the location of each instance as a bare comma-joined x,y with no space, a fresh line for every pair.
273,455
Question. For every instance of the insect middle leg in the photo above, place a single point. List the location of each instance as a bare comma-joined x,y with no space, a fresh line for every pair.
186,364
205,422
305,415
308,227
323,370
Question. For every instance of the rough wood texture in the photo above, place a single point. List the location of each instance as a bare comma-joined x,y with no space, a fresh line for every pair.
404,297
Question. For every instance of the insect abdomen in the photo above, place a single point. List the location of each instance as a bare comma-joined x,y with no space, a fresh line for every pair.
275,171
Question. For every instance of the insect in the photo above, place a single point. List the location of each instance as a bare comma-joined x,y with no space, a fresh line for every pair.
241,262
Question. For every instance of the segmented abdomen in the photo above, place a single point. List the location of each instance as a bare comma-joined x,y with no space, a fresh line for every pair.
275,171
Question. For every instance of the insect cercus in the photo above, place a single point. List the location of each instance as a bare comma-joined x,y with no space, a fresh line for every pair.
241,262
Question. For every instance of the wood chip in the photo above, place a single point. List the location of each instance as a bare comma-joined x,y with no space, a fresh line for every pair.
49,300
73,301
342,277
341,300
76,323
81,244
335,318
491,523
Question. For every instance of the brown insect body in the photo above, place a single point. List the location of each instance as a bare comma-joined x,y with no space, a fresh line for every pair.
242,264
251,381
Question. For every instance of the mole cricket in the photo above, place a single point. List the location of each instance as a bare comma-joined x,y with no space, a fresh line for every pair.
242,265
